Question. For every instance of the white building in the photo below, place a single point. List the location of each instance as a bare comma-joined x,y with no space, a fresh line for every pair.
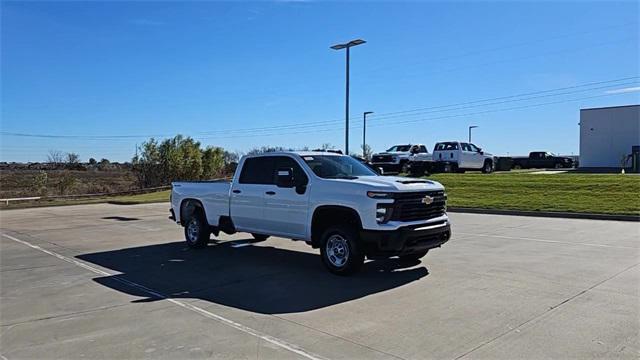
607,134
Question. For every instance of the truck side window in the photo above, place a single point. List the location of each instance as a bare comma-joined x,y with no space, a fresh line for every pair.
423,149
258,170
299,177
465,147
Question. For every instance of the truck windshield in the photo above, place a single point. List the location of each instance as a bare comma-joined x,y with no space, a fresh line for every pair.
399,148
337,167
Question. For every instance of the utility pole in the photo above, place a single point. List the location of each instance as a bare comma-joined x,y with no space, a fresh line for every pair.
347,46
364,133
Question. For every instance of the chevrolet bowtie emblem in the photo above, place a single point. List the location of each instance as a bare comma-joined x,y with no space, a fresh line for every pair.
427,200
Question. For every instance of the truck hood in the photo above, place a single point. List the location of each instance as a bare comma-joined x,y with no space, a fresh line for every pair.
396,183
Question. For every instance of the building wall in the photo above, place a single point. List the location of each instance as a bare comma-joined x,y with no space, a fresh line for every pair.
608,133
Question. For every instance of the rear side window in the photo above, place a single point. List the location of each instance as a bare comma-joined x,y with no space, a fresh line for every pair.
446,146
258,170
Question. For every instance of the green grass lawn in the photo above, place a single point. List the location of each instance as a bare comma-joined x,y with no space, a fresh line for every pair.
153,197
158,196
586,193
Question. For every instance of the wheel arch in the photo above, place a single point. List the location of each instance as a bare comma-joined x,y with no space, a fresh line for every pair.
188,207
326,215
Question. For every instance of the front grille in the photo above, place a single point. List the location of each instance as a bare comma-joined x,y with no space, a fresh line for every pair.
381,158
409,206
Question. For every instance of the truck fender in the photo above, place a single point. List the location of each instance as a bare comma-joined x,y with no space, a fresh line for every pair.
188,207
327,215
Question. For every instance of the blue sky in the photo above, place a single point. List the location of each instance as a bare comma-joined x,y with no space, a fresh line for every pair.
103,77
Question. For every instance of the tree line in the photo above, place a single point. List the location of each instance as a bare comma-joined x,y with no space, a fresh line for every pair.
159,163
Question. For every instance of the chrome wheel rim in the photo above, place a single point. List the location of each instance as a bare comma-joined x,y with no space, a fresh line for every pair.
192,231
337,250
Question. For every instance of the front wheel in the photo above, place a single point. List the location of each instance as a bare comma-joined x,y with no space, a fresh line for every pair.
487,167
340,250
558,166
196,232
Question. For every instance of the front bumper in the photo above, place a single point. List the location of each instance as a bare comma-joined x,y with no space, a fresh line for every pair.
405,240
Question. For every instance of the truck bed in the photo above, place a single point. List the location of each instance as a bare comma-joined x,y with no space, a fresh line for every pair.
212,194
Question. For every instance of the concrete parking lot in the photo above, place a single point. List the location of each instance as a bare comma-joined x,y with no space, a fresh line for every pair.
109,281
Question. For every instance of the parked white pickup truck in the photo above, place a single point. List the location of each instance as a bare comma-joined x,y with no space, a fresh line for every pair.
460,156
395,158
331,201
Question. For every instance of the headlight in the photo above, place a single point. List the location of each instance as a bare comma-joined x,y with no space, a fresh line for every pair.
394,158
383,213
378,195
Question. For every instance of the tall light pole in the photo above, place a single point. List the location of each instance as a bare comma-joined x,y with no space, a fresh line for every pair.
347,46
364,132
471,127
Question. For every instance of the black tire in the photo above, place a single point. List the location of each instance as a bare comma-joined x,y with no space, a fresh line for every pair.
340,250
413,257
558,166
416,170
517,167
259,237
487,168
196,231
404,167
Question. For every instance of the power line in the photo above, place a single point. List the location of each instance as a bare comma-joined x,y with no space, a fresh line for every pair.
381,116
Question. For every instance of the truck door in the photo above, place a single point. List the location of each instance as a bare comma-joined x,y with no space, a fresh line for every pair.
478,157
286,208
247,194
467,157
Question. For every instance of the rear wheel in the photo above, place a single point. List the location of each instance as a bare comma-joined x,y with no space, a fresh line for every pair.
340,250
196,231
558,166
517,166
413,257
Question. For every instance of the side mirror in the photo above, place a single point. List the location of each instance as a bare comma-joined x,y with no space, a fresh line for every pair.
284,178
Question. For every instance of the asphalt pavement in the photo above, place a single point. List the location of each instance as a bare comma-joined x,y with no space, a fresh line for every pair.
113,282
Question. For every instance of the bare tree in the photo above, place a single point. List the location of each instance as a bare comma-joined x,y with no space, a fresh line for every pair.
366,152
55,157
72,159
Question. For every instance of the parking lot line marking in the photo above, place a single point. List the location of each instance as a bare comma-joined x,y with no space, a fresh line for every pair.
268,338
547,241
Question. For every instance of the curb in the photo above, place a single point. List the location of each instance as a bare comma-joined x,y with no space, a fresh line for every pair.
550,214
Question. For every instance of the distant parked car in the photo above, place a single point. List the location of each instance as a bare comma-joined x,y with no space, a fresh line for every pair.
396,157
542,159
457,156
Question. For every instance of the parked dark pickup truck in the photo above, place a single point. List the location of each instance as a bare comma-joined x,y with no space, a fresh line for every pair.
542,159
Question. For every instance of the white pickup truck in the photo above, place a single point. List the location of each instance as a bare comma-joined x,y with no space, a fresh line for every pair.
331,201
457,156
395,158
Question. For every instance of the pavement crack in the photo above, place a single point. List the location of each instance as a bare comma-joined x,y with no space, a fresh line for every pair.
551,308
71,314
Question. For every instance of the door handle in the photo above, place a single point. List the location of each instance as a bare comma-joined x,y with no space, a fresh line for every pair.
236,191
270,193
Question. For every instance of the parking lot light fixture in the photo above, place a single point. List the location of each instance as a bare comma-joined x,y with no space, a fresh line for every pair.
347,46
471,127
